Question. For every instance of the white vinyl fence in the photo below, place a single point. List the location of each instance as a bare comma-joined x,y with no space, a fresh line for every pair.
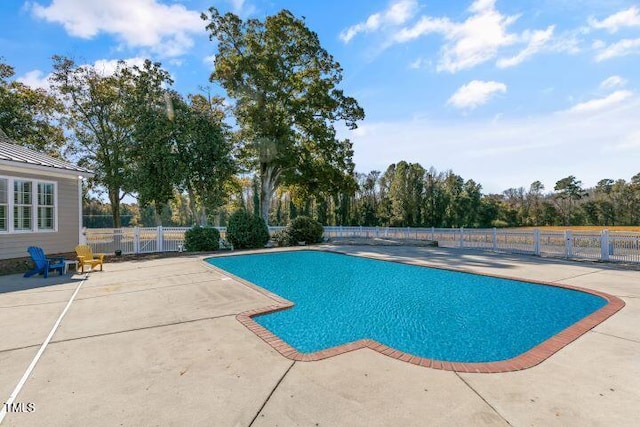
593,245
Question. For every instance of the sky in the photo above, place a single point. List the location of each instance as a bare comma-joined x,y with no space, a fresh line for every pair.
501,92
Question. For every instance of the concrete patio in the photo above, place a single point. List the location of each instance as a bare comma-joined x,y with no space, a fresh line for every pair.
156,343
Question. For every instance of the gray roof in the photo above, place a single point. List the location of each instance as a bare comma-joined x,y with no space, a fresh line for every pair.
10,151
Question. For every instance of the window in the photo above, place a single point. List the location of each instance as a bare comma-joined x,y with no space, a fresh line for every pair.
46,204
28,205
22,205
4,204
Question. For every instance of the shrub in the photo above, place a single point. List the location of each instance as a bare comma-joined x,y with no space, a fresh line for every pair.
199,239
305,229
283,237
247,231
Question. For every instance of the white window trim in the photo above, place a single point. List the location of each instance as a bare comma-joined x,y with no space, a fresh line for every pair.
8,205
34,205
37,205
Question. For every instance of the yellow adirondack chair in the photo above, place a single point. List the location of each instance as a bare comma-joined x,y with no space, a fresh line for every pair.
86,257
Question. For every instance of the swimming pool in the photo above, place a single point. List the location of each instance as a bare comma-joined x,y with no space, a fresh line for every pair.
425,312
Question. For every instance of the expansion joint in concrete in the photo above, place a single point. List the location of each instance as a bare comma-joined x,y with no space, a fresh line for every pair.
271,393
616,336
483,399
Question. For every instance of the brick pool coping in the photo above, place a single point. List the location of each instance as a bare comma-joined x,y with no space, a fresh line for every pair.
526,360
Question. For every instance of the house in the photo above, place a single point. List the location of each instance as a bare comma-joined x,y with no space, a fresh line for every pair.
40,201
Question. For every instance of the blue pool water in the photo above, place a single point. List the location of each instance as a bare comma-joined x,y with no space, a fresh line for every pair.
432,313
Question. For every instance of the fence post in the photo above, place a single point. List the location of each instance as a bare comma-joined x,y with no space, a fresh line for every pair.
495,239
536,241
604,245
433,233
136,240
159,237
462,237
568,243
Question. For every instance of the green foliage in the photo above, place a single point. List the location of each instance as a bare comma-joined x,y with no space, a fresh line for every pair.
301,229
285,85
153,154
201,239
305,229
99,123
142,138
29,116
569,190
283,237
205,165
182,144
247,231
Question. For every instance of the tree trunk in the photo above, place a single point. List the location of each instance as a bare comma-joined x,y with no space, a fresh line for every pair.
157,215
114,198
268,181
199,212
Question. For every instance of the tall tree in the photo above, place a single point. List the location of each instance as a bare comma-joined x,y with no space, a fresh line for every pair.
434,198
471,195
29,116
150,106
569,191
454,210
634,186
406,194
534,197
205,162
285,87
99,123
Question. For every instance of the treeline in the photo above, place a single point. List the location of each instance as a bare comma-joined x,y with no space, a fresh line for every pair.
408,195
269,146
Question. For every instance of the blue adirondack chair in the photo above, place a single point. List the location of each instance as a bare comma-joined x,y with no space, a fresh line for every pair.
43,264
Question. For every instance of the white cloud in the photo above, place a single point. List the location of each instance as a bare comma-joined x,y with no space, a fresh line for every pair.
209,61
537,40
397,13
509,152
469,43
425,25
601,104
480,37
613,23
419,63
631,144
567,42
241,7
473,41
623,47
613,82
35,79
166,29
107,67
476,93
